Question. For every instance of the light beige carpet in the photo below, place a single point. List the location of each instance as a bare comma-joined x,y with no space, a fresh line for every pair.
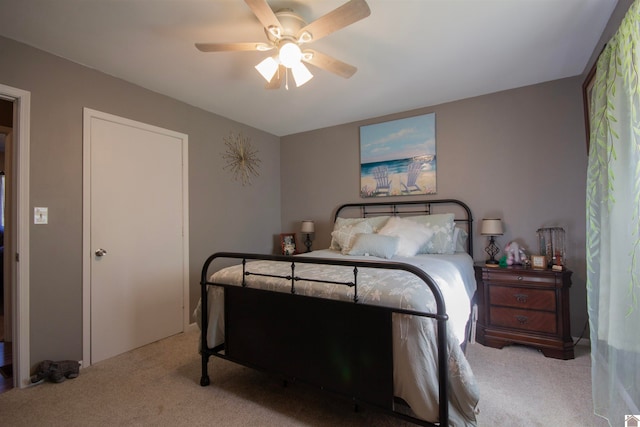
159,385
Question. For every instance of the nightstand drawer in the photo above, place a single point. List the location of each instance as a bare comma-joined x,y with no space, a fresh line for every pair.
538,321
539,299
519,277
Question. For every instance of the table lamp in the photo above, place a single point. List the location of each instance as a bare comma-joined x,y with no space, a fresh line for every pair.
308,228
492,227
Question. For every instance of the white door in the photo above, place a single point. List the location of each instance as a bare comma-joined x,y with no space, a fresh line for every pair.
137,239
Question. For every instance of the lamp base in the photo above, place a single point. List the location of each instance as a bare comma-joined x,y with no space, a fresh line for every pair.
307,242
492,263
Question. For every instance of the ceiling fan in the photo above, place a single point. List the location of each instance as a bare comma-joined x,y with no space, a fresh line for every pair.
289,34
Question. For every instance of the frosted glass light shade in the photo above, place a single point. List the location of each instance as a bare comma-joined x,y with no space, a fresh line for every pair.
301,74
290,55
491,227
267,68
308,227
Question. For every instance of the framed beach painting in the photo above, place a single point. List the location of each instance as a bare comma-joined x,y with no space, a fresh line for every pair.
398,157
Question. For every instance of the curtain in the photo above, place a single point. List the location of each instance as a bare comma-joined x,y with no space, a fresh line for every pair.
613,224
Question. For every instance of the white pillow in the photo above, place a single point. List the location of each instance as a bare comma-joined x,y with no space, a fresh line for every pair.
376,223
442,226
345,236
375,245
412,235
460,236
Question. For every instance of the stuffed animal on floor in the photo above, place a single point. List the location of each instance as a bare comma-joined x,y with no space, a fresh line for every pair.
56,371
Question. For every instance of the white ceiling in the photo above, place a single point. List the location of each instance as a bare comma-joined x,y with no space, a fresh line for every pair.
409,53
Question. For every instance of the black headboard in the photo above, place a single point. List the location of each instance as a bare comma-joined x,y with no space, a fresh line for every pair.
463,216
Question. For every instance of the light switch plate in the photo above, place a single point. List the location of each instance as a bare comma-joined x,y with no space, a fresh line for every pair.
40,215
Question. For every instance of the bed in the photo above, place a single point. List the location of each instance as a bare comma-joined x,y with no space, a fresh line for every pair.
382,316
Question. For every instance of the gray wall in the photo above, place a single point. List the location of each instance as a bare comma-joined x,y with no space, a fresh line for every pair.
219,215
519,155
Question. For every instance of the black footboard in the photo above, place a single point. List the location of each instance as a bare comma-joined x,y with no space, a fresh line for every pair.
343,347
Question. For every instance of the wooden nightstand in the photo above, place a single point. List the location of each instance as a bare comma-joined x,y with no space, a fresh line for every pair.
524,306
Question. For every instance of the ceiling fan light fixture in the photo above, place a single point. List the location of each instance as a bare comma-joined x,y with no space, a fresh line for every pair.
267,68
301,74
305,37
286,32
290,54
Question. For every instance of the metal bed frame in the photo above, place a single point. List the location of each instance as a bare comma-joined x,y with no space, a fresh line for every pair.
303,338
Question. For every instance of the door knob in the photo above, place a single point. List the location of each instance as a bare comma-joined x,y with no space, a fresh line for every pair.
101,252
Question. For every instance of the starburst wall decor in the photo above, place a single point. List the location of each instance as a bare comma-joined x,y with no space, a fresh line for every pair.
241,158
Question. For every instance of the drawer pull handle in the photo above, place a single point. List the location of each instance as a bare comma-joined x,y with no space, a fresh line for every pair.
521,297
522,319
519,277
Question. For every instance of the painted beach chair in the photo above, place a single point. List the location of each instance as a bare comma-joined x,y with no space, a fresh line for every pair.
383,183
413,172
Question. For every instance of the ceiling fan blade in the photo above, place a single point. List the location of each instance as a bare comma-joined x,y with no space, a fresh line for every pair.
232,47
344,15
265,15
328,63
276,81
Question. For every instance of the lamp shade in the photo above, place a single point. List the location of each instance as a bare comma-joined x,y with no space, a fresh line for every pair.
289,54
491,227
301,74
267,68
308,226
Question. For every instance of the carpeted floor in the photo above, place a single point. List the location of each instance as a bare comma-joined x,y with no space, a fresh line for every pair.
158,385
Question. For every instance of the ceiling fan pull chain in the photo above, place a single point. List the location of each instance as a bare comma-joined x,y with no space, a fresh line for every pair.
286,78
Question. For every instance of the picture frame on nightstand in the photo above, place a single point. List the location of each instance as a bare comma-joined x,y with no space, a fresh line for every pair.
539,262
288,244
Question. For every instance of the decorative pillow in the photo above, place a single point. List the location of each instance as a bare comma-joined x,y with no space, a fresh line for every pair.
376,223
345,236
442,226
341,223
460,236
412,235
375,245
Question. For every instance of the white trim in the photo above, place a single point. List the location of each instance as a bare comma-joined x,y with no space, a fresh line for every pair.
21,315
88,115
86,237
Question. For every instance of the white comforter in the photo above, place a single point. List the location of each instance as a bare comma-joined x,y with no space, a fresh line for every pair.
414,343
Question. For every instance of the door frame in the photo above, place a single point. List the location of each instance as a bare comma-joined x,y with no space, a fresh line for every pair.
20,316
88,115
8,225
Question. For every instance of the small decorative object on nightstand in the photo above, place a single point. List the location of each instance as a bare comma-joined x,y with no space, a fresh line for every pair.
539,262
492,227
288,243
308,228
524,306
551,243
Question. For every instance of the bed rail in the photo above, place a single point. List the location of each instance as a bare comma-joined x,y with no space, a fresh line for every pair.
440,316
